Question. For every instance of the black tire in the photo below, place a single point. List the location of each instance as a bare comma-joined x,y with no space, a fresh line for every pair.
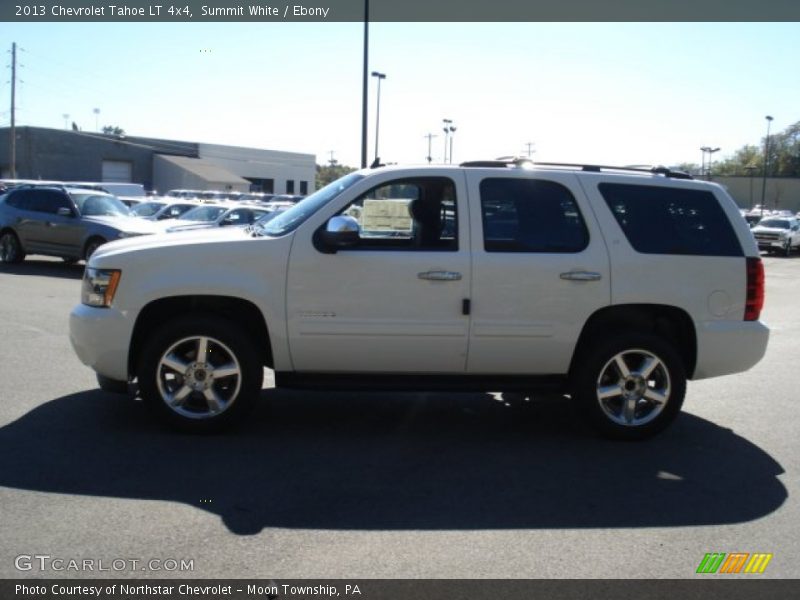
91,246
191,394
624,412
112,386
11,251
787,249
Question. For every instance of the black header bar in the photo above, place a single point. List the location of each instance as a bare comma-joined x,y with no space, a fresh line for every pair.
398,10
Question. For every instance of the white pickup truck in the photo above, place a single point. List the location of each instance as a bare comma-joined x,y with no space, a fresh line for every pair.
611,285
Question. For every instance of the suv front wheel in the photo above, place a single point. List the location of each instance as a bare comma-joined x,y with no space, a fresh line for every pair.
631,386
200,373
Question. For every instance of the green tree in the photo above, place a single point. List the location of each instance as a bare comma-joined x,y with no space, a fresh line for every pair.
784,152
737,165
113,130
784,156
328,173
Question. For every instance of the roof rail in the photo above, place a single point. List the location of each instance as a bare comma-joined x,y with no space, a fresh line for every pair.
22,186
522,162
503,161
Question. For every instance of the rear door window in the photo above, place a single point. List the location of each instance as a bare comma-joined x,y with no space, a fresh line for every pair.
46,201
666,220
530,215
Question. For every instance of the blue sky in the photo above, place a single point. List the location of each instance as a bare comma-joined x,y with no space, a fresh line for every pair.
596,92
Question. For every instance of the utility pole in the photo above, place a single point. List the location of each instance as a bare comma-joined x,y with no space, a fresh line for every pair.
530,148
332,161
430,136
13,131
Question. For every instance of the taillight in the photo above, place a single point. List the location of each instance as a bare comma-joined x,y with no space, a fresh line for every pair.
755,289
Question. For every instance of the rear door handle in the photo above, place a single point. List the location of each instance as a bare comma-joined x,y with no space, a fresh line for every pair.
581,276
440,275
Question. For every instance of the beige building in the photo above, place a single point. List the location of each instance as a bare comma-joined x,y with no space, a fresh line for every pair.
781,192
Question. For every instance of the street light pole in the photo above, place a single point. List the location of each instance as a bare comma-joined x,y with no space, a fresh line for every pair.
452,131
365,80
710,159
704,149
96,112
446,130
379,76
766,165
430,136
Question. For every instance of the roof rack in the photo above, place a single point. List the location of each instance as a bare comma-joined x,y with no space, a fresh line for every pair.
522,162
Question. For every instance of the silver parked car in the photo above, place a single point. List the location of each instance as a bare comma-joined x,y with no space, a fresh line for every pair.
60,221
215,215
161,210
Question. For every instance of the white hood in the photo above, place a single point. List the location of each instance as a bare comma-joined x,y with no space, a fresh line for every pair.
164,240
129,224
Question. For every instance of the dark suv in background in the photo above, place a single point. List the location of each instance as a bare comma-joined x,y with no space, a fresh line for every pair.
62,221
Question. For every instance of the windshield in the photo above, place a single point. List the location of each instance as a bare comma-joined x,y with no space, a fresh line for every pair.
146,209
776,223
293,217
100,205
203,213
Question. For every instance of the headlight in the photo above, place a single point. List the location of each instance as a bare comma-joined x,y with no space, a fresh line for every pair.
99,286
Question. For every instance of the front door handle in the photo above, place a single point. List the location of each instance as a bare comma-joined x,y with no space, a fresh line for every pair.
440,276
581,276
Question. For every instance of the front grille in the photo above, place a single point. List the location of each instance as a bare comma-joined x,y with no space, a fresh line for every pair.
767,237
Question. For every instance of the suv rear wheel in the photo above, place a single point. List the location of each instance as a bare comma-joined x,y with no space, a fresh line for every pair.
631,386
200,373
10,248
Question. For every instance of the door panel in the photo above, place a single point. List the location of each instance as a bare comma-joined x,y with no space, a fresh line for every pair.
391,304
540,269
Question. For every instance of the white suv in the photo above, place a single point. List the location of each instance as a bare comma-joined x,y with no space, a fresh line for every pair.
611,285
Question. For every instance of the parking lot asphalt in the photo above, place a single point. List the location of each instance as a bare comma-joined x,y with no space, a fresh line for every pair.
387,486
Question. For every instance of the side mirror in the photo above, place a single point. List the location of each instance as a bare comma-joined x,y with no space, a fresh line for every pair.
340,232
65,212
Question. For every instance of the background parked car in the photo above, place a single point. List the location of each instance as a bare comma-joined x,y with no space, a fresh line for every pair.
777,234
216,215
60,221
183,194
274,211
160,210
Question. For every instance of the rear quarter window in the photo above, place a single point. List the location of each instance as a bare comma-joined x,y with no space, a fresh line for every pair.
667,220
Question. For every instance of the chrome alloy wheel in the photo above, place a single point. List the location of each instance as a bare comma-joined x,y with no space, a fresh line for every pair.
633,387
199,377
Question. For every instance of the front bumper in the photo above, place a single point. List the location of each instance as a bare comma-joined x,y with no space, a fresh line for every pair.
101,338
771,244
